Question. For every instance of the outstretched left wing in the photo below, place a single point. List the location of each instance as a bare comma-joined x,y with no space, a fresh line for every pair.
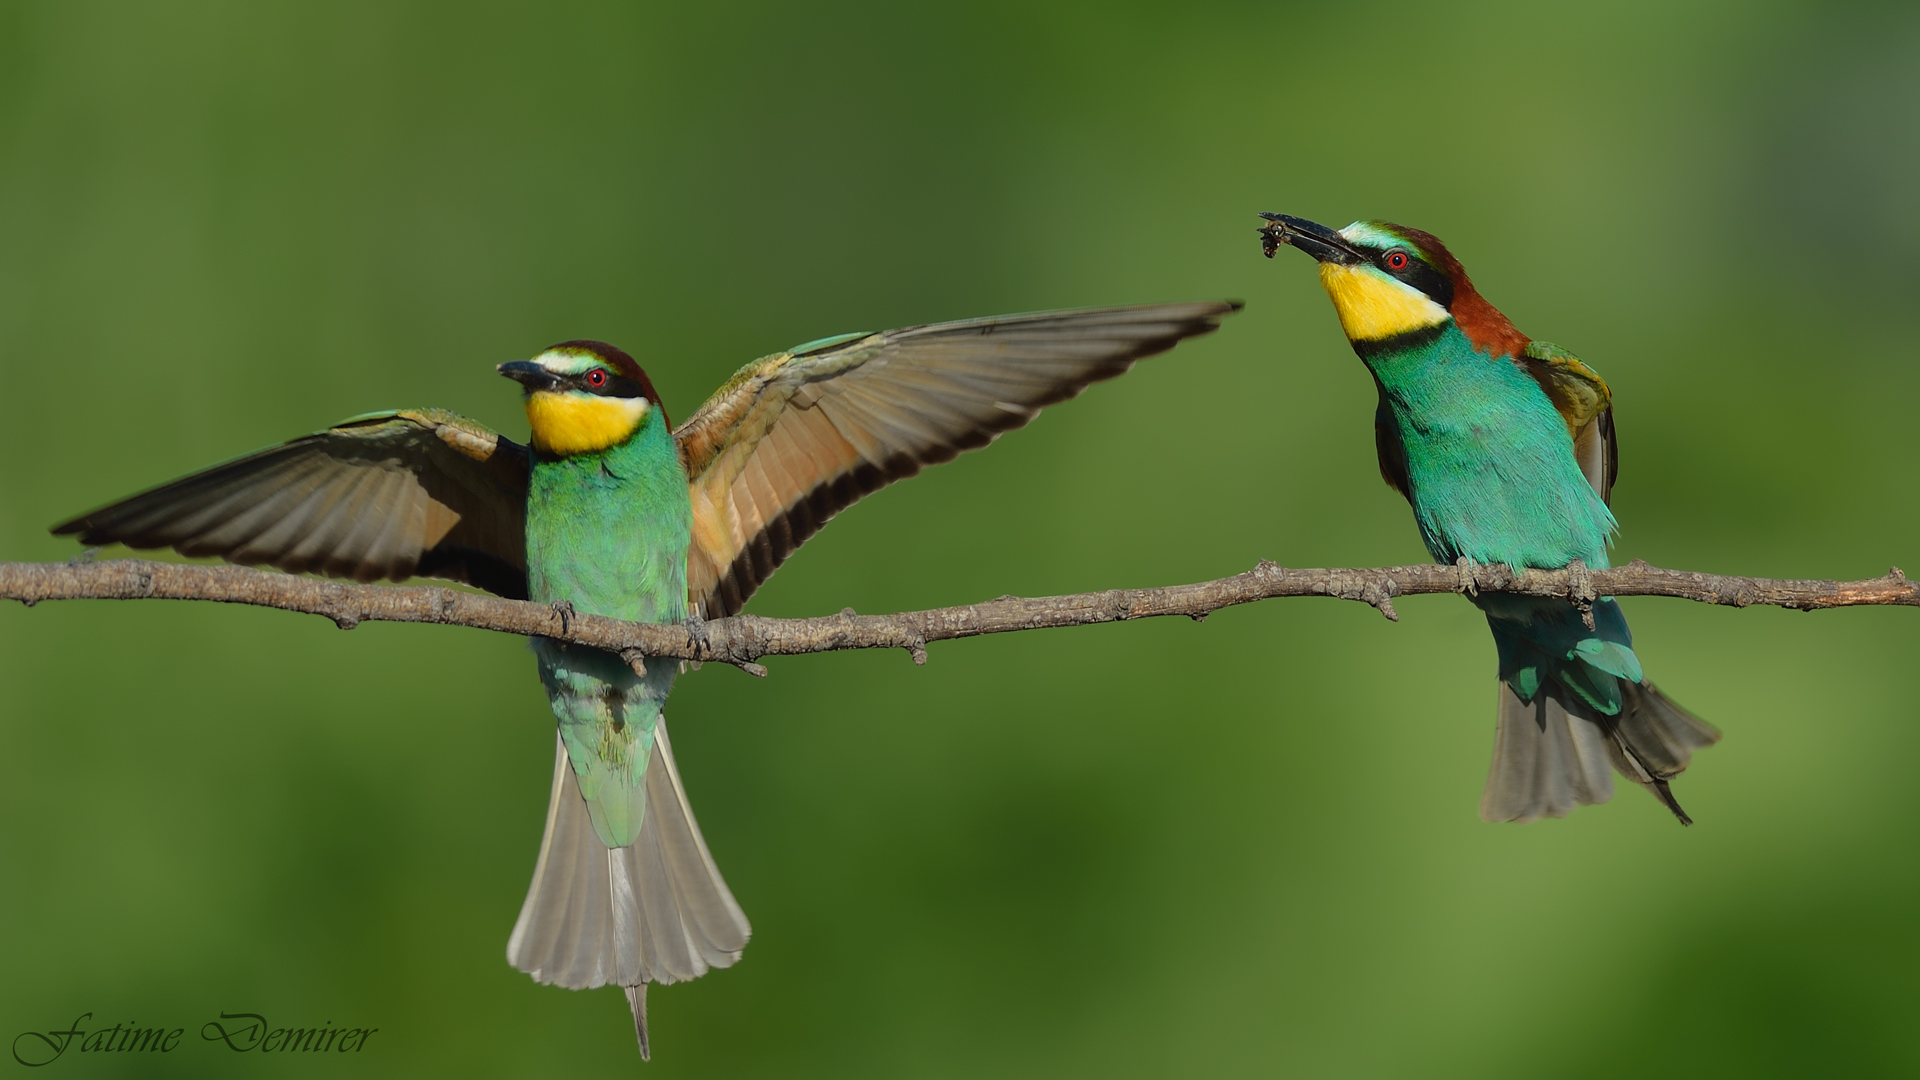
794,438
389,495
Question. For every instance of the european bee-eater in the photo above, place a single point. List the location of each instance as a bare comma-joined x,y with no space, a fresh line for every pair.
1505,448
617,513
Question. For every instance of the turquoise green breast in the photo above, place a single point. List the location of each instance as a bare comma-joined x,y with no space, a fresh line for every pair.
609,531
1489,461
1492,476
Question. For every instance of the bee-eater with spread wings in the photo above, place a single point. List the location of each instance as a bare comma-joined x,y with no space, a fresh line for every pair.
615,512
1505,448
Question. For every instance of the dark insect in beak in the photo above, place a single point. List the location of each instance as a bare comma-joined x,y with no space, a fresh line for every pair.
1324,244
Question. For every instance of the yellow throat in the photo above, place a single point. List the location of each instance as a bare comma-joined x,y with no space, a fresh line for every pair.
1373,306
570,422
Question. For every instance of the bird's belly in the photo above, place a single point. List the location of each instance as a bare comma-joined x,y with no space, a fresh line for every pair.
637,585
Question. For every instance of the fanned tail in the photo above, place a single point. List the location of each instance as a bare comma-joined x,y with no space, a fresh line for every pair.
1553,753
656,911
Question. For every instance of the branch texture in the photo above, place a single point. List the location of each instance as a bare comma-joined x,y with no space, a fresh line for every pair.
744,639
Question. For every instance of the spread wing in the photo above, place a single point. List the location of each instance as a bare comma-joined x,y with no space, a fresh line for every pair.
388,495
1585,403
794,438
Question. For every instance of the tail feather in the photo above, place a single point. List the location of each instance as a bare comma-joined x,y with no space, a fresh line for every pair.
1553,753
637,1001
563,926
654,911
1653,739
1545,761
1660,731
713,928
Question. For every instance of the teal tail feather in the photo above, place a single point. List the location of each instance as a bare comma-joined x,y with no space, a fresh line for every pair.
1575,706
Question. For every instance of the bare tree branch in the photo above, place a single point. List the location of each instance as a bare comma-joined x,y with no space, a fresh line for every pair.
744,639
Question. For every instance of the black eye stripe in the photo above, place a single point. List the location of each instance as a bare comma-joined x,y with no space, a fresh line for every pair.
618,386
1418,273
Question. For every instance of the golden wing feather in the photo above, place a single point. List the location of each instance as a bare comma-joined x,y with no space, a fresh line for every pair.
794,438
1586,404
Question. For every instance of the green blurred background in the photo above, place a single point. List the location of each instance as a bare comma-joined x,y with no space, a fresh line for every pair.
1248,847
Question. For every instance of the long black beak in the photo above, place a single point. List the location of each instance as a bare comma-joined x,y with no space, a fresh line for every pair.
1311,237
530,375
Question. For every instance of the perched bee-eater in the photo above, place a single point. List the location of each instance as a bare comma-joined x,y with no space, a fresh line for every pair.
1505,448
614,512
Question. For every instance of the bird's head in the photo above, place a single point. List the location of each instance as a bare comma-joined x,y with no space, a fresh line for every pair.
583,396
1391,280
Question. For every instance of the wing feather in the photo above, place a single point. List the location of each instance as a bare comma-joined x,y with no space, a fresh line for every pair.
221,519
389,495
794,438
309,502
1586,404
396,519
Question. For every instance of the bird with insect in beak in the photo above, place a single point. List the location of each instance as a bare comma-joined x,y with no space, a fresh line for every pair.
1505,448
612,511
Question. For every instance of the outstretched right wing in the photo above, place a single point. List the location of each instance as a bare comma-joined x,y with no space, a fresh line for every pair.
388,495
793,439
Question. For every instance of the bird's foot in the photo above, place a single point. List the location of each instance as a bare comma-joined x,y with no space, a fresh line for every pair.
697,630
1580,590
1469,579
563,609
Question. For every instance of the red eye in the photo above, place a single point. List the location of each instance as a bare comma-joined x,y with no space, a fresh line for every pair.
596,378
1396,260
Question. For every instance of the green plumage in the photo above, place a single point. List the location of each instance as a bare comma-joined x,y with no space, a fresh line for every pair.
1504,447
1492,479
608,533
1491,473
